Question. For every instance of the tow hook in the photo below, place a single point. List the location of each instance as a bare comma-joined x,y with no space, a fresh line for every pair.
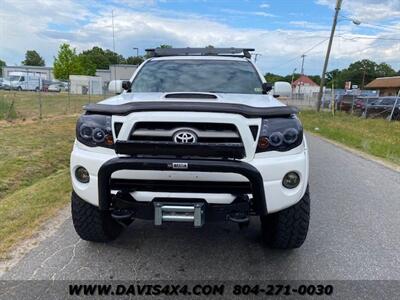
123,216
240,218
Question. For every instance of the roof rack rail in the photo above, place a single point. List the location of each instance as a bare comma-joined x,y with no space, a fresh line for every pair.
238,52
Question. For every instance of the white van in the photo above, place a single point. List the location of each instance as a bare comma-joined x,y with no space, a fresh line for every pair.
25,81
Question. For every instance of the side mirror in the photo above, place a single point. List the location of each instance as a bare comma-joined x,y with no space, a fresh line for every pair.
266,87
115,86
282,89
126,85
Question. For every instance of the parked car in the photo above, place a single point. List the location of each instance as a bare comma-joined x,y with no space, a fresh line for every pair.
361,103
5,84
46,84
345,102
383,108
55,87
64,85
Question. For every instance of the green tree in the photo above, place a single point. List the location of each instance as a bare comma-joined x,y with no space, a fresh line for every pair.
359,73
331,77
85,65
384,69
271,77
32,58
66,63
114,58
98,57
134,60
2,64
315,78
101,58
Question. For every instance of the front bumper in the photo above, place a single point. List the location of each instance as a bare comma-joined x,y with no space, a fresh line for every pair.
263,173
187,165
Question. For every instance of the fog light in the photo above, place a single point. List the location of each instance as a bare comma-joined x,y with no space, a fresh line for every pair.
82,175
291,180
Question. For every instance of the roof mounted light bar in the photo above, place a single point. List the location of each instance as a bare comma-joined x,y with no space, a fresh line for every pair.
239,52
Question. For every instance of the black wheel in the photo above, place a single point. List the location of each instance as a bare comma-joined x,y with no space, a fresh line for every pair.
19,89
37,89
287,229
92,224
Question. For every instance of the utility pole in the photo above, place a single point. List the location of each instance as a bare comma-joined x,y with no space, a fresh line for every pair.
394,106
302,64
255,56
363,78
328,52
113,37
294,70
137,51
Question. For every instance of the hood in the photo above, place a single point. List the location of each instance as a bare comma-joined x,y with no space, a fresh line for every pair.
253,100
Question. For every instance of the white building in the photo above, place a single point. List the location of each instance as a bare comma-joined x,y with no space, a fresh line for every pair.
82,84
45,73
116,72
305,86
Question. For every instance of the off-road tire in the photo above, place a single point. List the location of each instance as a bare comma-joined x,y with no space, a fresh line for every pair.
287,229
92,224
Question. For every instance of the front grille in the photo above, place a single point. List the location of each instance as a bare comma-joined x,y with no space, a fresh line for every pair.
216,133
199,140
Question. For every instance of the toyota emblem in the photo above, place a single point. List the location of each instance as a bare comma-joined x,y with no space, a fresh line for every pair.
185,137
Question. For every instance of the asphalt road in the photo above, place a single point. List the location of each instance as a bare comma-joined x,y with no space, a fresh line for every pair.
354,234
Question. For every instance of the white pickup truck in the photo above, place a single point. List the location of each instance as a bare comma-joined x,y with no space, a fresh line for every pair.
195,136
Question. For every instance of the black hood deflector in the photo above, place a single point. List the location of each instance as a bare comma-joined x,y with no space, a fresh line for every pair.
232,108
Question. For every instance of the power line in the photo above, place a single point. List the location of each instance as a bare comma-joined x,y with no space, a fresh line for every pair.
381,26
361,22
315,46
300,56
368,38
325,39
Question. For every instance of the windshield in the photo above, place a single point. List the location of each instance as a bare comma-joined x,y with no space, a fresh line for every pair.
14,78
218,76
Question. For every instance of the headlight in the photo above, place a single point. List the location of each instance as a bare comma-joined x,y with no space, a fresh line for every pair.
95,130
280,134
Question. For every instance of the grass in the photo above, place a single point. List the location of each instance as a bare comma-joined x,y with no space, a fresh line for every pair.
34,178
377,137
22,212
31,151
32,105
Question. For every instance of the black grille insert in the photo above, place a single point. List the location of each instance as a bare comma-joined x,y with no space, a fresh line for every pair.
205,132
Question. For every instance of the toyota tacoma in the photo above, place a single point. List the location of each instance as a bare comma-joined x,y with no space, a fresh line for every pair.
196,135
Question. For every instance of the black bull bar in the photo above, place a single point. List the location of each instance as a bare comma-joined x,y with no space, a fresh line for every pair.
184,165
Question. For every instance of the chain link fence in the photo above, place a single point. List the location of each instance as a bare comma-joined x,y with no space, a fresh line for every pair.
16,104
387,107
43,103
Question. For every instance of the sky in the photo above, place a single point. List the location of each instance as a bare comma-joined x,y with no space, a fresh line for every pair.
280,30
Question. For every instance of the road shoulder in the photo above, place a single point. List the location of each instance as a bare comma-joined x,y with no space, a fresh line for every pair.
25,246
359,153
